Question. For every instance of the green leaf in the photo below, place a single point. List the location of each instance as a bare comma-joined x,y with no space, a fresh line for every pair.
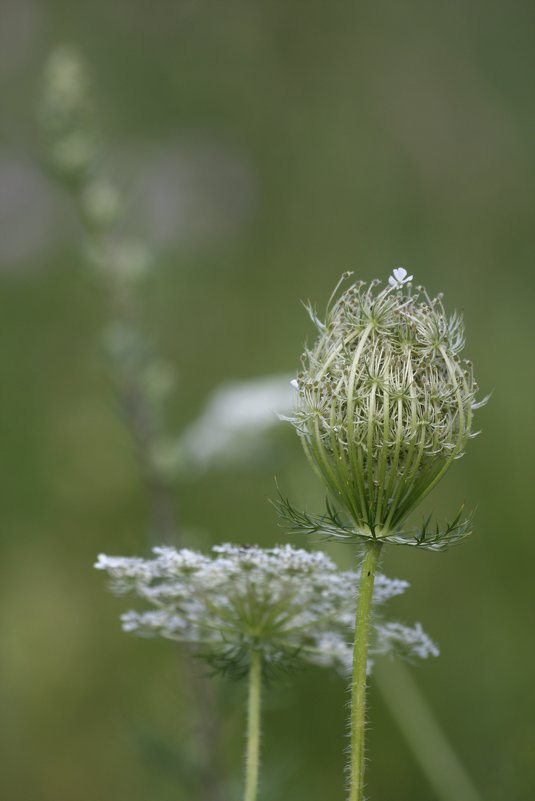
329,525
435,538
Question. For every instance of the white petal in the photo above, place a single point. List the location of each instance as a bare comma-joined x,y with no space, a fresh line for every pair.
408,278
393,282
294,384
400,273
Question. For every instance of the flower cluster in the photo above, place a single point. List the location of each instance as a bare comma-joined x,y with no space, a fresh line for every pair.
291,605
384,399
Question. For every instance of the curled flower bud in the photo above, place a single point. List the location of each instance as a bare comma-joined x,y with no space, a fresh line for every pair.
385,400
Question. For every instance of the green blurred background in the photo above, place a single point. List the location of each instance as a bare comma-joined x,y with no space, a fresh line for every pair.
264,148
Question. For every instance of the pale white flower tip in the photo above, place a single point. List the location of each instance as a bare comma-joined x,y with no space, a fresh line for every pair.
399,278
400,273
294,384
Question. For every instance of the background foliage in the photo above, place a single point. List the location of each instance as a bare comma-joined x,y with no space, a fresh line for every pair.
264,148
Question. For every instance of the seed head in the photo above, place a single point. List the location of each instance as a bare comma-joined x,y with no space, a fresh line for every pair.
384,399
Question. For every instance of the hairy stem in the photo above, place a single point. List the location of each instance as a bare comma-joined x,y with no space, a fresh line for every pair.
360,659
252,754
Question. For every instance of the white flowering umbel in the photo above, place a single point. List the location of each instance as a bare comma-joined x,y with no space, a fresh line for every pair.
291,606
253,611
384,406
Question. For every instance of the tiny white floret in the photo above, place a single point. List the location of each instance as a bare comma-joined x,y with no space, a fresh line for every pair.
399,278
294,384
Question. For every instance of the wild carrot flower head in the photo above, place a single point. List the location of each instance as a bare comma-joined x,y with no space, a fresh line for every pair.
292,605
384,399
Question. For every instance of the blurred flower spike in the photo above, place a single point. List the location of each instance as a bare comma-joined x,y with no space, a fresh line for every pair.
384,407
291,605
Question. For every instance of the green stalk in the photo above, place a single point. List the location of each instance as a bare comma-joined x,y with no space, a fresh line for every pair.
430,747
252,754
360,660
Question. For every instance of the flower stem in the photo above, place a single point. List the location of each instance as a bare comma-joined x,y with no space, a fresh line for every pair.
360,659
252,756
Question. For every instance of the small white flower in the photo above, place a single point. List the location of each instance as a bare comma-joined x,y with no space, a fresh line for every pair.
399,278
294,384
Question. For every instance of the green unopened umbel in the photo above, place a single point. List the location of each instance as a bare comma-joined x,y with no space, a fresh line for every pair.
384,400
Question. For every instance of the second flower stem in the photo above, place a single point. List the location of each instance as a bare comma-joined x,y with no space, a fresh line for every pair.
252,756
360,661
